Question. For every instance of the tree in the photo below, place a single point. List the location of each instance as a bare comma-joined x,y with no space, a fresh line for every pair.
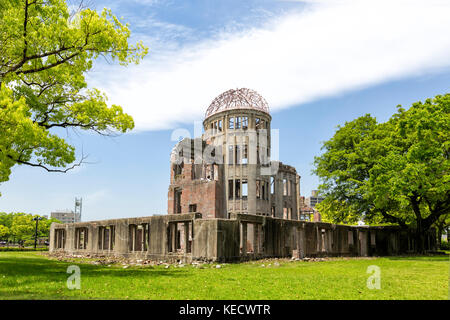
23,226
4,232
395,172
5,224
6,219
45,52
44,226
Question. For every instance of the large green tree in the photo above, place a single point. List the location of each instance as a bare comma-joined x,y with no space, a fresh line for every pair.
6,219
21,226
4,232
45,52
395,172
5,225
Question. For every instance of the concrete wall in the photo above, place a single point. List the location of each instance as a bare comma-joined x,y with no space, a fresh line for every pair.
187,237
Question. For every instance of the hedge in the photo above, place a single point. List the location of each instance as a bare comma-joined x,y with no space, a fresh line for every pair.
22,249
445,245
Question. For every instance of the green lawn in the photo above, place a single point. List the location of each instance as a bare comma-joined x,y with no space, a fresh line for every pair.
30,275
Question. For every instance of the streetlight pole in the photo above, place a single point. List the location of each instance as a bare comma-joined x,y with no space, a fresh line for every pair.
35,231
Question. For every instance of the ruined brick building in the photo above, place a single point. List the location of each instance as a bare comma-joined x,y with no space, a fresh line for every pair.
228,170
228,200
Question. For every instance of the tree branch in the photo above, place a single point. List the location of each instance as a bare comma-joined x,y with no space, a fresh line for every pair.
40,165
393,219
25,48
49,66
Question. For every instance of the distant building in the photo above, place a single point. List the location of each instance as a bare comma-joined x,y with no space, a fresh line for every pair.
317,216
306,214
314,199
69,216
307,207
300,201
66,216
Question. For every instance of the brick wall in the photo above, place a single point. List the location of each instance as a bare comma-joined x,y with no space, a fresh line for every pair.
206,194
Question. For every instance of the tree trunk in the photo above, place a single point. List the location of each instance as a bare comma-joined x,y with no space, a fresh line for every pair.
439,235
420,240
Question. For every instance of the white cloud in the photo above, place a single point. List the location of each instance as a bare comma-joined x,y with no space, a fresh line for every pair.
327,49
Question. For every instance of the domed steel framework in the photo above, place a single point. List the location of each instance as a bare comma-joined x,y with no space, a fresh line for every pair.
237,99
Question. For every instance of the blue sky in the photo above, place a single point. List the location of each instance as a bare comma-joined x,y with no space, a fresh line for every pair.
317,63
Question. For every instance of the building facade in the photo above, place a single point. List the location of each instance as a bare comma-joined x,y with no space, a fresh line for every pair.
229,169
188,237
314,199
66,216
228,200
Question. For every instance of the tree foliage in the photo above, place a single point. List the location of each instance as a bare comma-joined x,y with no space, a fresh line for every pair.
6,219
395,172
4,231
21,226
45,53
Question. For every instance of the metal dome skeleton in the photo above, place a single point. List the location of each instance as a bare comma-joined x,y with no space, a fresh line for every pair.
237,99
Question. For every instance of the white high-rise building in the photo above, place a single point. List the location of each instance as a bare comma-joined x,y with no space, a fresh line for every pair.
66,216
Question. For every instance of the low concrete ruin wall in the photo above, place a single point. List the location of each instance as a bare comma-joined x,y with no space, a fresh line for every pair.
187,237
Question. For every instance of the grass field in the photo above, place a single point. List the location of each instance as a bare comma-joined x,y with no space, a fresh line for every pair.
30,275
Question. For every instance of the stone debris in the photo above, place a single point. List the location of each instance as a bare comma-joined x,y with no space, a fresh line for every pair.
314,259
125,263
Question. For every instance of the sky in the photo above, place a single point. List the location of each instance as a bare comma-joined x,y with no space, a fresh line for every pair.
317,63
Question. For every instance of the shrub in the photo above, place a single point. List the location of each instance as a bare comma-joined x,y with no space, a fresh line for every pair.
3,249
445,245
28,243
